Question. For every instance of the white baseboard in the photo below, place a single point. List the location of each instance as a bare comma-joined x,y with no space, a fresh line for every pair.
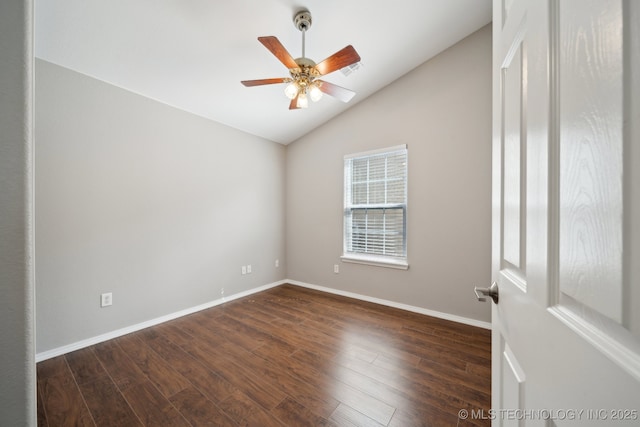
420,310
139,326
133,328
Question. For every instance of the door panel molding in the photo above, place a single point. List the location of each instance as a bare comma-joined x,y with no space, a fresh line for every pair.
618,344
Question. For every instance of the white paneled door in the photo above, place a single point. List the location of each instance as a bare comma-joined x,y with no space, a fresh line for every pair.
566,213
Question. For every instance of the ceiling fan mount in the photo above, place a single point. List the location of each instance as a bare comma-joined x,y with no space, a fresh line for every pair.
302,20
305,73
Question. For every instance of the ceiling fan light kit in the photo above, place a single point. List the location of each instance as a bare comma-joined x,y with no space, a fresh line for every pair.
304,81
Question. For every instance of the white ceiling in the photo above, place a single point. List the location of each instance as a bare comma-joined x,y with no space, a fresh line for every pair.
192,54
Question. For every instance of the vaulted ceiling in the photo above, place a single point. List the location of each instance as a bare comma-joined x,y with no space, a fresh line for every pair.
192,54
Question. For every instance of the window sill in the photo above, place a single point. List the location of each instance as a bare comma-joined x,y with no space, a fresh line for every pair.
378,261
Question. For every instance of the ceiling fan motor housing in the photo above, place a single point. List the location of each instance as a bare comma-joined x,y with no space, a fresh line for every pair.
302,20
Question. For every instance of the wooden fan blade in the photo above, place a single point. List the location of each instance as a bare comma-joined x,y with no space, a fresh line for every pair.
260,82
294,104
273,44
336,91
338,60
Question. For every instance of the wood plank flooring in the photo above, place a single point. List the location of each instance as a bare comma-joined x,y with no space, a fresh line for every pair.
288,356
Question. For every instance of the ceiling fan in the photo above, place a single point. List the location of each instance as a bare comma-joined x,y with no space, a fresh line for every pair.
304,81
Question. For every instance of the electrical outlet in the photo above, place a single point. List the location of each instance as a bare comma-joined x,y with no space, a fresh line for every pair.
106,299
244,269
277,263
336,268
249,270
222,292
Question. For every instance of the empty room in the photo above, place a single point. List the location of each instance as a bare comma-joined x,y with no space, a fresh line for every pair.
279,213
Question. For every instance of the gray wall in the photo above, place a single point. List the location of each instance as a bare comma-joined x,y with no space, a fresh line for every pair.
442,111
17,340
156,205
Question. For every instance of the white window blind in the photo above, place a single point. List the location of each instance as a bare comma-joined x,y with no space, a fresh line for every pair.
375,204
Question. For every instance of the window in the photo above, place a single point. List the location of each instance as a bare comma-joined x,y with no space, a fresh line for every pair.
375,207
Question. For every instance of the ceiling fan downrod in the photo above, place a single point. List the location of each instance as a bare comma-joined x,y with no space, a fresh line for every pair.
302,21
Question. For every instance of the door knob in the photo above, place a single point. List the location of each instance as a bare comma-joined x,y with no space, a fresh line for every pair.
491,291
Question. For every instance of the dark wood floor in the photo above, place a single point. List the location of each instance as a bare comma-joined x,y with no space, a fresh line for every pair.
289,356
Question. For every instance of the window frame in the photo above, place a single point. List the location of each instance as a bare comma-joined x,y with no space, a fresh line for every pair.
390,261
